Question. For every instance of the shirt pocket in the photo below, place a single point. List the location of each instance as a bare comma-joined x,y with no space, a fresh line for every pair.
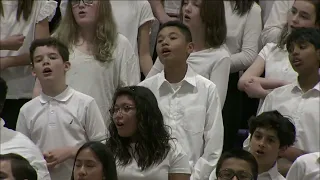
194,119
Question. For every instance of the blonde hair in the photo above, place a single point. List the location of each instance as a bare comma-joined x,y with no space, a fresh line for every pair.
105,38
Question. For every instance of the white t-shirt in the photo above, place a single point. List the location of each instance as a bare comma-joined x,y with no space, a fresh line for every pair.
70,119
175,162
213,64
129,16
101,79
17,143
243,33
19,79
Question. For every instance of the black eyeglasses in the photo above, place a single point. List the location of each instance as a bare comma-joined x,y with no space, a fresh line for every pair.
123,109
75,3
228,174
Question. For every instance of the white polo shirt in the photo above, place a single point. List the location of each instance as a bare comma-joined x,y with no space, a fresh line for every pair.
306,167
193,112
67,120
213,64
17,143
272,174
176,162
101,79
19,79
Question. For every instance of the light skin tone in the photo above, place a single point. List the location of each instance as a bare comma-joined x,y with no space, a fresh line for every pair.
87,166
13,42
302,14
173,51
265,147
236,165
5,170
159,12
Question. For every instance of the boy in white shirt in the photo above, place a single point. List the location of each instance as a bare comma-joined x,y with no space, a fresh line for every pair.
272,134
61,119
189,102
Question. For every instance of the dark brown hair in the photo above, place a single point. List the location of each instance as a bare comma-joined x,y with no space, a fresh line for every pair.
24,7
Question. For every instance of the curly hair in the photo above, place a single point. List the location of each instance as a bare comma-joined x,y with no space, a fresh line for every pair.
105,37
152,142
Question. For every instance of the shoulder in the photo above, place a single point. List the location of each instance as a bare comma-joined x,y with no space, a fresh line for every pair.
205,83
123,47
32,104
82,97
147,82
255,9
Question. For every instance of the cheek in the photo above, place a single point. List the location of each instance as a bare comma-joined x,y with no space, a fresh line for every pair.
96,173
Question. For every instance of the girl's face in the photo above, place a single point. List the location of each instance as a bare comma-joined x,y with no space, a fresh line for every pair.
87,166
302,14
191,13
85,12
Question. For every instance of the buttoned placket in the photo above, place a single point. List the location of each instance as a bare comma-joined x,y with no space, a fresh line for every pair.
52,113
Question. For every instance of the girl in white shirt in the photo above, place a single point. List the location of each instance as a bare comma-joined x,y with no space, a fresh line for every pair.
21,23
208,29
140,141
273,58
102,60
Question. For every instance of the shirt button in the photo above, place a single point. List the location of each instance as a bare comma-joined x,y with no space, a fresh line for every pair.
52,112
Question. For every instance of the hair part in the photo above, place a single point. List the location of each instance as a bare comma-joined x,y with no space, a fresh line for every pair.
49,42
20,167
105,157
152,142
241,155
182,27
273,120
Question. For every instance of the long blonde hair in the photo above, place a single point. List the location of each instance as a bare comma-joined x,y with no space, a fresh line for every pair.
106,33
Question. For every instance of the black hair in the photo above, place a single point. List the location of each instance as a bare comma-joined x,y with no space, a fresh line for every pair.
50,42
3,92
182,27
301,35
242,7
105,157
242,155
285,129
20,167
152,142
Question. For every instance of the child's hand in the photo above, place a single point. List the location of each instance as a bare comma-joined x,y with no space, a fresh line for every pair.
57,156
254,89
13,42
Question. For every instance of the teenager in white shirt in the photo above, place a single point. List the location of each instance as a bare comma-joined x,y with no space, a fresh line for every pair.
17,143
101,57
272,134
189,102
140,140
134,19
210,57
94,161
276,20
23,21
61,119
273,59
306,167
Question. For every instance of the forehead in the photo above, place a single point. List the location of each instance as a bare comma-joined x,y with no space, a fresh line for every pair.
124,99
45,50
87,154
169,30
5,167
267,132
236,165
304,5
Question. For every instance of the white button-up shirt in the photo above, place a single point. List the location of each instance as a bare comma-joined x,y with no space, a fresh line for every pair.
306,167
193,112
17,143
272,174
67,120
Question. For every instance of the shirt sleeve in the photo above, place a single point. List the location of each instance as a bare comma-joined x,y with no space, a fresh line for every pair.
156,68
250,41
213,138
179,162
297,170
276,21
22,124
264,53
47,9
220,77
146,13
94,125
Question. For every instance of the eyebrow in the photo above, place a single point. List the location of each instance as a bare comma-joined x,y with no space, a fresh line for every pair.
270,136
49,54
172,33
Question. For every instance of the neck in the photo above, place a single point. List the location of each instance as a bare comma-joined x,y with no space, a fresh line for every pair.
264,168
53,89
198,39
86,34
308,81
175,74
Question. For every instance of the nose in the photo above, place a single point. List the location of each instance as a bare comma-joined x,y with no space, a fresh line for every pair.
234,178
188,7
82,171
81,4
262,143
295,18
46,60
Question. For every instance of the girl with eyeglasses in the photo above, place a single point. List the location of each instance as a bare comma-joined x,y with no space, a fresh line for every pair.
140,141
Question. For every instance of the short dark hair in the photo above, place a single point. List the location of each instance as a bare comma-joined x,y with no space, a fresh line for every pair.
105,157
239,154
183,28
285,129
3,92
20,167
301,35
50,42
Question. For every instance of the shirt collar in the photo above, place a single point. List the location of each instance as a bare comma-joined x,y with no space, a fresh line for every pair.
189,78
273,172
296,86
62,97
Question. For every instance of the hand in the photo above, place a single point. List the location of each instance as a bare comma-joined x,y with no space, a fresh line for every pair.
13,42
57,156
4,63
254,89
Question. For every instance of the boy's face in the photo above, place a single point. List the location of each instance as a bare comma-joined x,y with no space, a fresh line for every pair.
265,146
233,165
172,47
48,64
5,170
304,57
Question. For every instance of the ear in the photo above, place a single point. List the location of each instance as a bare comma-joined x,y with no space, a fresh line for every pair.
33,72
282,150
67,66
190,47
